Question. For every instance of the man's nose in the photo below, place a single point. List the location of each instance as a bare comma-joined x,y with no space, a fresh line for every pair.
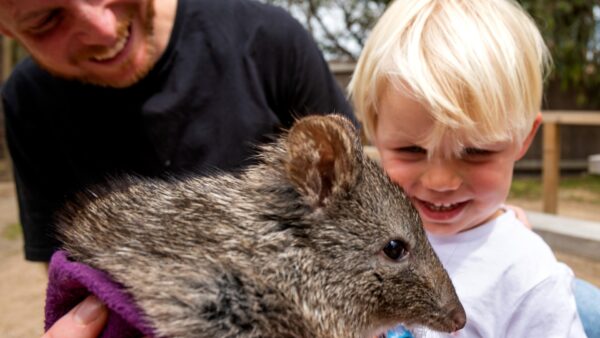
441,176
96,25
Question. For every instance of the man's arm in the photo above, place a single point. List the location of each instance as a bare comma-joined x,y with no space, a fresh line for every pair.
35,162
297,77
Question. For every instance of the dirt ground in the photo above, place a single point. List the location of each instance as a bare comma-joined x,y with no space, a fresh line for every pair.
22,284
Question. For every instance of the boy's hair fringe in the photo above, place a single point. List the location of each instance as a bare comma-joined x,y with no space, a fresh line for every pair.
476,65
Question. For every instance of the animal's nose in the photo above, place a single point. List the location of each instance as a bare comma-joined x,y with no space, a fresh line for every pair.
459,317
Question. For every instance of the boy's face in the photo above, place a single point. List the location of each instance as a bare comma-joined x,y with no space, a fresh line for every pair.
451,193
104,42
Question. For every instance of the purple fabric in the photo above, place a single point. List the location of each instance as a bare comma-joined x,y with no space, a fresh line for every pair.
70,282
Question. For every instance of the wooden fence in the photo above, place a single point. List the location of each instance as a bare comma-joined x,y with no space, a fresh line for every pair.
553,122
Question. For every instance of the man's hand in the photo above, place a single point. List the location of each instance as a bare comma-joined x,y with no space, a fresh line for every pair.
521,216
86,320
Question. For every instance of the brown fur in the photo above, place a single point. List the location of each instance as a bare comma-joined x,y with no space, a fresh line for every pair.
292,247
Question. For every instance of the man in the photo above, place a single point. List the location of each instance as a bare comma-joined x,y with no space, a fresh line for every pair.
148,87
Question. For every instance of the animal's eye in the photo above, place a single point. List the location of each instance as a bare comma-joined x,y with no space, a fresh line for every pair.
395,249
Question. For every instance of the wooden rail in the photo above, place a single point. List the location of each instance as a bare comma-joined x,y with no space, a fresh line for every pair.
551,150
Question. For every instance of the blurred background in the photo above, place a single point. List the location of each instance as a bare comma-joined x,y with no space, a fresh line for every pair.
557,182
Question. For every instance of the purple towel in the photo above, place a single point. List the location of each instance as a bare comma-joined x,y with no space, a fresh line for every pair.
70,282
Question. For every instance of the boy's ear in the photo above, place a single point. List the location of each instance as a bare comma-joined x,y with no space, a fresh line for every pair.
527,141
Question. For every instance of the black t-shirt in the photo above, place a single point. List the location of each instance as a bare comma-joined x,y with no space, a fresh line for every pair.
234,73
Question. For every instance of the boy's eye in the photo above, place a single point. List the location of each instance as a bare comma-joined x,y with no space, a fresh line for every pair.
476,152
45,22
412,150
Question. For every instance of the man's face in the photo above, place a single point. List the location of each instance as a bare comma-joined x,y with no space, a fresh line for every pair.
103,42
451,193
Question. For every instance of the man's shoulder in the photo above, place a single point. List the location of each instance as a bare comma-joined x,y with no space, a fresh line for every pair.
229,7
25,74
30,90
28,85
242,15
228,28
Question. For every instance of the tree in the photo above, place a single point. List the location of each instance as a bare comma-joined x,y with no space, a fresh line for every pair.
571,29
340,27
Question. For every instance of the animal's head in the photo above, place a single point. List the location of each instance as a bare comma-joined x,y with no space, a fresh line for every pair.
370,255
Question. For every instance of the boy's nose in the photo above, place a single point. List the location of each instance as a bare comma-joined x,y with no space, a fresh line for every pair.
96,25
440,177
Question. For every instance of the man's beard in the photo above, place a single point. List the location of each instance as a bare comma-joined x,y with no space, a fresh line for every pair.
99,80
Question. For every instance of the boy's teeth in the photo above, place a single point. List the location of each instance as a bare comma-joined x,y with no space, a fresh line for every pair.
441,206
116,49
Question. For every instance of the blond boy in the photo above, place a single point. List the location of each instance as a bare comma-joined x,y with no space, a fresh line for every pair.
449,91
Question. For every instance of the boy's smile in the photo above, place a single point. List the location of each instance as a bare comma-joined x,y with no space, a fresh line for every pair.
441,212
453,189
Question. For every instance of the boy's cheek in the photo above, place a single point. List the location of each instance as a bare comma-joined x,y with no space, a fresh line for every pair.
399,172
490,181
395,173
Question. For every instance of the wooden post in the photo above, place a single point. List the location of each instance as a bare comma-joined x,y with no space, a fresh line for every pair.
550,168
7,53
7,63
551,150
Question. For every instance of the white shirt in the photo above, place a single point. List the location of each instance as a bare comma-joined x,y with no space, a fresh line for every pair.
509,282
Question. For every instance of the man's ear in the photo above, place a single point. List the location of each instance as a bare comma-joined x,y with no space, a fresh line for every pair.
527,141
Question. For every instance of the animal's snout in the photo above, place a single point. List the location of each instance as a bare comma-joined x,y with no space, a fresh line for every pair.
458,316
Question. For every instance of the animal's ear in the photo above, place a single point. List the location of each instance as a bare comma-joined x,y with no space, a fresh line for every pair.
323,157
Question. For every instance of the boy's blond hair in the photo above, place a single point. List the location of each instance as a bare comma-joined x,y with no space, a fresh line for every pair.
477,65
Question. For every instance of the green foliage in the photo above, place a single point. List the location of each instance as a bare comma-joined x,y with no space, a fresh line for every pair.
590,183
572,32
570,29
344,39
582,188
526,188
